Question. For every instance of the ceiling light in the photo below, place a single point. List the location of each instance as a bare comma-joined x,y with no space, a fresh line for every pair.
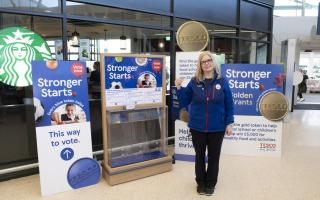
75,38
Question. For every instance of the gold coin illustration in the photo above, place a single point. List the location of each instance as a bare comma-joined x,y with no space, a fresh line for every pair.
274,106
192,36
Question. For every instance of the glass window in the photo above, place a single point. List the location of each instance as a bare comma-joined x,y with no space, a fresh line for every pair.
224,46
107,38
218,11
49,28
161,6
310,63
254,16
179,22
248,52
254,35
47,6
262,50
102,12
16,103
216,30
253,52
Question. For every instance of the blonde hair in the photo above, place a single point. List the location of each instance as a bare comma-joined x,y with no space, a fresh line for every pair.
199,73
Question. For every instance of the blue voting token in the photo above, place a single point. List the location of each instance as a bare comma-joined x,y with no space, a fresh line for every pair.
84,172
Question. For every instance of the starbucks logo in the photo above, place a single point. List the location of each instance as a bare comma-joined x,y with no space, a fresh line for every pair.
18,48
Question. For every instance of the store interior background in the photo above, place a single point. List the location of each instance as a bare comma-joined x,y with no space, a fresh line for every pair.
295,19
243,34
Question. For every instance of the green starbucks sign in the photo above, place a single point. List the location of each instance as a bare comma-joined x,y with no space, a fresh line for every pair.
18,48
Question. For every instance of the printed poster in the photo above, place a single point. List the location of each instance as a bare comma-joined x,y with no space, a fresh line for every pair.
84,49
252,134
59,49
130,81
62,120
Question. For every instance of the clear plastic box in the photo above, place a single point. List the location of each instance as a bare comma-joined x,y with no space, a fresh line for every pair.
136,135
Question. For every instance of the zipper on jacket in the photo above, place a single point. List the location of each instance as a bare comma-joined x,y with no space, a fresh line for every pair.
207,101
207,95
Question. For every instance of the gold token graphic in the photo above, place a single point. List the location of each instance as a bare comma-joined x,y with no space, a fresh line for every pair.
192,36
273,106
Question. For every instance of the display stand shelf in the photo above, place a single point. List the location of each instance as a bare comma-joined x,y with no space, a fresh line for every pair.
136,144
134,118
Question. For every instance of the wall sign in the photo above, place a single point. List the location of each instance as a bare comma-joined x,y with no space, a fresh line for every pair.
192,36
18,48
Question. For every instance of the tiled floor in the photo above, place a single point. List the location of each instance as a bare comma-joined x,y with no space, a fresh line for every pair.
310,98
295,176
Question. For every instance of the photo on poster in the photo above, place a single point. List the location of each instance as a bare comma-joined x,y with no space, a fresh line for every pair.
68,114
132,80
63,84
146,80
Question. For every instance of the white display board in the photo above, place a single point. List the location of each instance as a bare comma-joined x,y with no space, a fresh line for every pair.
62,120
253,135
186,64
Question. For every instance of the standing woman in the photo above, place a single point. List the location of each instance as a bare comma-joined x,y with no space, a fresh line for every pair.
210,107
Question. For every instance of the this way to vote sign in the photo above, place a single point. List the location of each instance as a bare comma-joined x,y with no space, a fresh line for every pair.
63,126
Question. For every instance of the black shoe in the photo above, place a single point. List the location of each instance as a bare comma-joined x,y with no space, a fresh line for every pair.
209,191
201,190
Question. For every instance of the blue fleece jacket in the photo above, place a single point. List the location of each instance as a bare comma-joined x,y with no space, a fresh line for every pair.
210,107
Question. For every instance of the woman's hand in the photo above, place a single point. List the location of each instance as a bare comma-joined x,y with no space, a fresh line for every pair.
178,83
229,130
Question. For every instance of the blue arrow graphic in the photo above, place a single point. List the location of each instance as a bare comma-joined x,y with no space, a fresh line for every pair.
67,154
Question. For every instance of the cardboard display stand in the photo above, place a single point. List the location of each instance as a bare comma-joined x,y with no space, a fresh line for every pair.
134,116
62,120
